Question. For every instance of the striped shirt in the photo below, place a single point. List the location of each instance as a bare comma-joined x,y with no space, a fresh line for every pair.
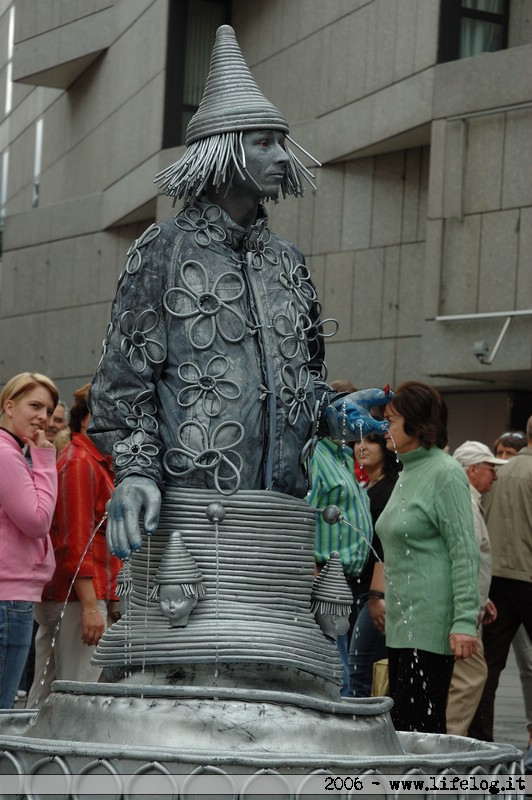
334,483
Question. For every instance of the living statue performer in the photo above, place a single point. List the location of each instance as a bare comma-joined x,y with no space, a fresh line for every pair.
210,392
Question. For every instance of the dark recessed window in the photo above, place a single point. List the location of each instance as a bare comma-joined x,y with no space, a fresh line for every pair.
471,27
192,28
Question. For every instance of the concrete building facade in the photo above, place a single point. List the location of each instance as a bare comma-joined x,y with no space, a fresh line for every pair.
419,237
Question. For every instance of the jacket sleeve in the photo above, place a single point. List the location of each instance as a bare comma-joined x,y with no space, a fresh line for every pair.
314,496
453,506
75,515
27,496
123,397
316,334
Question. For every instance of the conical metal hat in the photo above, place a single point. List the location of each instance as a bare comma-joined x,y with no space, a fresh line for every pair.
232,100
330,586
177,565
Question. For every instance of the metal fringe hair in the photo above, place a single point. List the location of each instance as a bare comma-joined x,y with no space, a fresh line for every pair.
196,589
216,159
328,607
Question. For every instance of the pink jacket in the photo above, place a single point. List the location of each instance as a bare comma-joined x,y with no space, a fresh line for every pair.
27,503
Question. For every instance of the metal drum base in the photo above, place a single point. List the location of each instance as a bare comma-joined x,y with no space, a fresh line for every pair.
124,733
227,719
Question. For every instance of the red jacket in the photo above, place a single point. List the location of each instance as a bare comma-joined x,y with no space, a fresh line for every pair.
85,485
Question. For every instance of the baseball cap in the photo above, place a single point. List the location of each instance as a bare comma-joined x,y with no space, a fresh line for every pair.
476,453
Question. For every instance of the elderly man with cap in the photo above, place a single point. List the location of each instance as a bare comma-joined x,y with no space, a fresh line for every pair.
509,521
212,381
469,675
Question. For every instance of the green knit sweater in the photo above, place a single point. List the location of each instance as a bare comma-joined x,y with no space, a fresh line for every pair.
431,556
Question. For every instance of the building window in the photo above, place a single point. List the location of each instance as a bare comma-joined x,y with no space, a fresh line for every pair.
4,166
192,28
37,161
471,27
9,64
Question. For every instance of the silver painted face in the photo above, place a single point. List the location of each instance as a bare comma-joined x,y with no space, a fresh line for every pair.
266,162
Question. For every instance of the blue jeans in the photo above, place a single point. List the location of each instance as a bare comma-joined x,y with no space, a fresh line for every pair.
16,626
367,646
342,645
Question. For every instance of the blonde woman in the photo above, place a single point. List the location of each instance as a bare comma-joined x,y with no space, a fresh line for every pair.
27,501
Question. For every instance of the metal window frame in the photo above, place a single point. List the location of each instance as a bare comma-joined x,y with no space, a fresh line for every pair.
482,356
451,14
176,43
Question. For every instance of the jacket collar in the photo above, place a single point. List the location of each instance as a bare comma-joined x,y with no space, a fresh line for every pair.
13,436
238,238
83,441
475,494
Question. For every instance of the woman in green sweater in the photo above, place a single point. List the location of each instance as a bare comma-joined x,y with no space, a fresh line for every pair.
431,560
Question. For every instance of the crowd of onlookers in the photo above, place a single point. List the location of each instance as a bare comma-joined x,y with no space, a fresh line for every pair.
435,547
57,576
447,530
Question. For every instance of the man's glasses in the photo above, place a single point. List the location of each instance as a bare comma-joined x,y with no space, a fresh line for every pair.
489,466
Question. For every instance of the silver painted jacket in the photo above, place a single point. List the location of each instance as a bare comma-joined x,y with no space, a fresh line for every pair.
211,372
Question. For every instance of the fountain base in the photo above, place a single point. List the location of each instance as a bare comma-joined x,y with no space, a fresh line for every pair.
128,732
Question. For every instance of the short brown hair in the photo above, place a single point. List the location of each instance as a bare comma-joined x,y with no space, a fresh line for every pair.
514,439
79,408
25,382
424,411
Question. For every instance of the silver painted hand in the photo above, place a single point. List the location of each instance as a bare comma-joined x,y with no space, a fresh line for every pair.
130,497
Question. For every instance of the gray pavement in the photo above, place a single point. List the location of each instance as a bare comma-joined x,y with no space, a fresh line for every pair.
510,722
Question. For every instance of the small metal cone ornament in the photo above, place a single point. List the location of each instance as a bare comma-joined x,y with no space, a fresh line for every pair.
330,589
